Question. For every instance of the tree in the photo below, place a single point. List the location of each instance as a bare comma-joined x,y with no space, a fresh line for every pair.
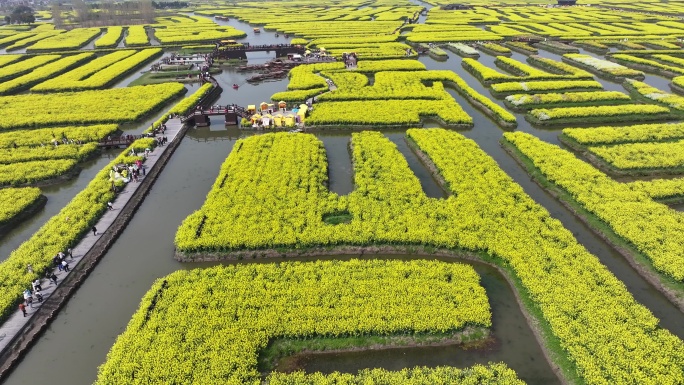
57,15
147,11
22,14
81,9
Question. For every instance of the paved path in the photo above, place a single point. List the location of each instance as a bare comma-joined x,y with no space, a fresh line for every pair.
16,322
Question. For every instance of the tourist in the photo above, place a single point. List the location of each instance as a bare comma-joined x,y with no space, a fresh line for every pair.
70,253
65,266
39,296
94,230
110,206
53,277
28,298
22,307
58,262
36,285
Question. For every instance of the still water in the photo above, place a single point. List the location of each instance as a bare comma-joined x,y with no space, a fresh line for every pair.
88,325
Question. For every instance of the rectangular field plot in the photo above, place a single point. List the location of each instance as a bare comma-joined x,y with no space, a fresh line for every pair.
108,106
69,40
643,156
39,137
44,72
99,73
523,72
648,149
626,134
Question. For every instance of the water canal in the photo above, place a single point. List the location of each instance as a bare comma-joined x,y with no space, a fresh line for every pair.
87,326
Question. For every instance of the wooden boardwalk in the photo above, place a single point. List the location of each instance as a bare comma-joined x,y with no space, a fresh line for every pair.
16,324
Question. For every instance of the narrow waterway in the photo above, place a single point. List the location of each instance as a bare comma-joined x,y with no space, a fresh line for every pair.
430,186
340,172
87,327
514,343
487,136
91,43
58,196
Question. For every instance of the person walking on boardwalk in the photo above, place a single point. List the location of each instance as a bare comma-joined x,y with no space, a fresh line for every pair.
22,307
53,277
70,253
94,230
28,298
36,285
65,266
110,206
